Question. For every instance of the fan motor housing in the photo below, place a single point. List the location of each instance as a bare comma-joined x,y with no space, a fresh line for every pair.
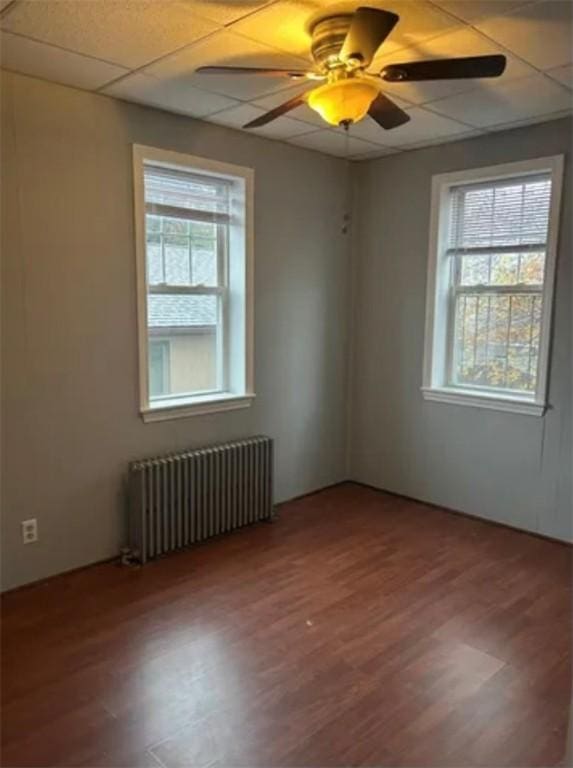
328,37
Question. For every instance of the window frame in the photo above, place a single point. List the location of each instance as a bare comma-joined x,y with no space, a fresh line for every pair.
440,326
225,397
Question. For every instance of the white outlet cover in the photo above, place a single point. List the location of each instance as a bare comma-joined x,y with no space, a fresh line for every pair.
30,530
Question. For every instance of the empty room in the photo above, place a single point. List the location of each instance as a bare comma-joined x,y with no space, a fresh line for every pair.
286,383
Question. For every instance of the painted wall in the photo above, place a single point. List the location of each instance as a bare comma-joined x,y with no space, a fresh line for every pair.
69,374
70,421
506,467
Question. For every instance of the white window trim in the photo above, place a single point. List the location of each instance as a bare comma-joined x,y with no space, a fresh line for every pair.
433,387
205,403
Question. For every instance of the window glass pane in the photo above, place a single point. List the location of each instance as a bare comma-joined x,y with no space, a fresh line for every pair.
154,259
475,270
153,223
182,252
158,368
176,248
190,325
175,226
504,269
204,261
532,268
496,341
203,229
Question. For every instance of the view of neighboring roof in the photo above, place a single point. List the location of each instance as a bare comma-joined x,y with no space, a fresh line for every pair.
181,311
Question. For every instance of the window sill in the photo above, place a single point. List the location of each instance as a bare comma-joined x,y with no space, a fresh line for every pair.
494,402
195,406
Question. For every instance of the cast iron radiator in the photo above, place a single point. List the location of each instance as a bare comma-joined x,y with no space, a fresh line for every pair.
184,498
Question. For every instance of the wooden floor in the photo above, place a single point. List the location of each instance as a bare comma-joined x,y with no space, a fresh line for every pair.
360,629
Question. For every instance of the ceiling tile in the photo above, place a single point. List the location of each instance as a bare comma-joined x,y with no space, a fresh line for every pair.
227,49
171,96
423,126
419,21
334,142
516,100
237,116
369,130
224,12
563,75
131,33
282,128
471,11
379,152
285,25
281,25
443,140
540,33
463,42
20,54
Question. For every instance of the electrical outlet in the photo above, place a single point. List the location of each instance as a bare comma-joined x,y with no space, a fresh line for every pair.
30,531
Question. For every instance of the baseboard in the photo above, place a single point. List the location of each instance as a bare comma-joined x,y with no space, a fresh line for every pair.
117,558
314,492
459,513
60,575
330,486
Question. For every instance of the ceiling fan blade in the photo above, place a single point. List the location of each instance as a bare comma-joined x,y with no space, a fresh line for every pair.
387,114
445,69
292,73
282,109
368,30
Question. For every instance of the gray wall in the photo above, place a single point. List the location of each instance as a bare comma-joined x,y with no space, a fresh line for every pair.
70,404
502,466
70,420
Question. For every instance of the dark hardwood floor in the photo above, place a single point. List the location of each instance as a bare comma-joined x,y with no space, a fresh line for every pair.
360,629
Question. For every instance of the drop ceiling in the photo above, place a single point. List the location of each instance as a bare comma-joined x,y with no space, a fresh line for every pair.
147,52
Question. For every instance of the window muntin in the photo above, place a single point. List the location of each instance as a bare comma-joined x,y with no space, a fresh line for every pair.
195,275
493,246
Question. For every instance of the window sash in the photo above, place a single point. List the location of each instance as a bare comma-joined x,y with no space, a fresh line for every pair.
457,290
221,291
221,354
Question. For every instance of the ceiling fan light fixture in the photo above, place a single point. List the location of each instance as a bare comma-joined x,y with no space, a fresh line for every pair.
343,101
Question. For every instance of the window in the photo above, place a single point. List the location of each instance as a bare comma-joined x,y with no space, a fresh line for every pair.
194,258
490,282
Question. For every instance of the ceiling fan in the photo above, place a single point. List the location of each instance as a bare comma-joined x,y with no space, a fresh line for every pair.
343,47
